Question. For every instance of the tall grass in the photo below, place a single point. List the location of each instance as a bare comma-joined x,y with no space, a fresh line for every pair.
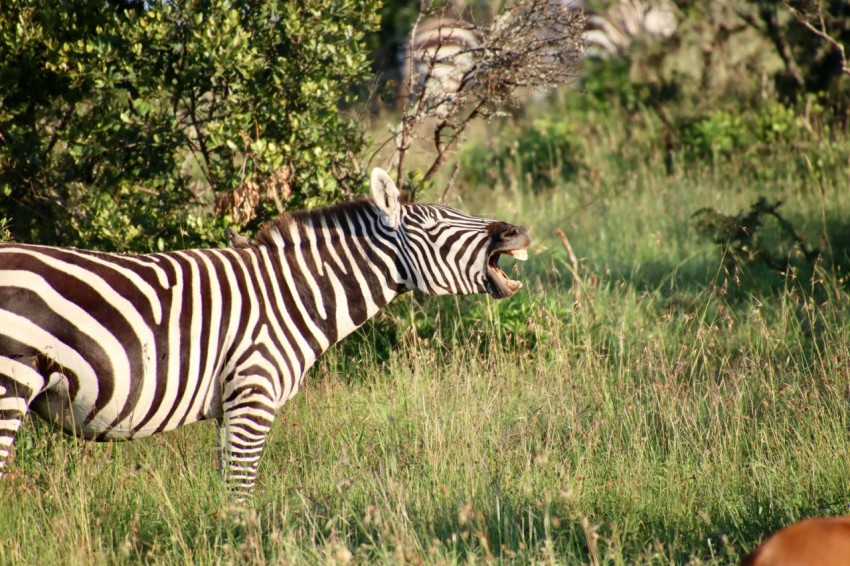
638,407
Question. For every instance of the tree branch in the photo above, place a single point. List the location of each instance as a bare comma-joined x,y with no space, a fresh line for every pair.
458,65
820,30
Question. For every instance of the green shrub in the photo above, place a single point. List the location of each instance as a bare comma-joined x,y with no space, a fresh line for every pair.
608,84
473,323
149,125
541,153
724,132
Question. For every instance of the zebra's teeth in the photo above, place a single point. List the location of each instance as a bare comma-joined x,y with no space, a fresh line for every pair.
521,255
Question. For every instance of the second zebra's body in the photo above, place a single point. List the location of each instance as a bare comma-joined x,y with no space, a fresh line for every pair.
612,32
115,346
437,61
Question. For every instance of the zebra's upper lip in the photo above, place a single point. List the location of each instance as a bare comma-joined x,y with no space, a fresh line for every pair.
513,241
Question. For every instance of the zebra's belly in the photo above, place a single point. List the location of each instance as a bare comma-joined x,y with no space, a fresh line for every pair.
55,407
79,417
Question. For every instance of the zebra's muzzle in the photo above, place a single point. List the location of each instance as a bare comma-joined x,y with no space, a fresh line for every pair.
507,240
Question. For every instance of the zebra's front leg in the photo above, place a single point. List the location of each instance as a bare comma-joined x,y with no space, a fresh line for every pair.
248,414
19,384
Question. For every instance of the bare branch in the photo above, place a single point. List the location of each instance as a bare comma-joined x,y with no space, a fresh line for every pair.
444,149
454,65
404,134
819,30
450,185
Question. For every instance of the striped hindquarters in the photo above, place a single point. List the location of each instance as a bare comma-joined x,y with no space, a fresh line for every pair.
611,33
122,346
440,56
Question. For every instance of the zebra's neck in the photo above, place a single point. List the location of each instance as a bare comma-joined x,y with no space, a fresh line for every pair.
340,264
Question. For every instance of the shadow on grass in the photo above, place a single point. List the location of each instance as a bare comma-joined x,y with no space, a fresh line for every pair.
501,526
757,274
518,529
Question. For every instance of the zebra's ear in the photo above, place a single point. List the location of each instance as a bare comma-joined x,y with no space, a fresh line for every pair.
386,197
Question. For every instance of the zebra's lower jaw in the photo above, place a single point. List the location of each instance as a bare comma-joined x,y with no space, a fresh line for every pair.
498,284
510,240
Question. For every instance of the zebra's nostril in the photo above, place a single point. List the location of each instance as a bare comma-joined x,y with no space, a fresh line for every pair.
505,230
513,231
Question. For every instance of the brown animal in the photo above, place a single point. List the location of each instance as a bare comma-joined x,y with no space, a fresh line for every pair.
821,541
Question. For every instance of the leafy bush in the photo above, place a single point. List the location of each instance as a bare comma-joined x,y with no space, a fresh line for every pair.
722,132
473,323
610,82
150,125
542,153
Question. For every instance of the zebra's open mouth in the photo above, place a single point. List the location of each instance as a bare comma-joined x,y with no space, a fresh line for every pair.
498,284
506,239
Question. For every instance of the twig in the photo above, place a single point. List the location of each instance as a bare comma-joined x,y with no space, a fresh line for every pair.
443,149
820,31
402,143
402,139
378,149
812,254
206,163
573,262
736,234
276,196
450,185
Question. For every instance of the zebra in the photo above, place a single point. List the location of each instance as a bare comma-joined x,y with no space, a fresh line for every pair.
437,60
612,32
110,346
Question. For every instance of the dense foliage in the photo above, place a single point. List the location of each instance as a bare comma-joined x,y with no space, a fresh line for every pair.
150,125
738,53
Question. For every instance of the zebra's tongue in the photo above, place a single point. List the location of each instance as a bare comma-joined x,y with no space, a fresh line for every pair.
513,286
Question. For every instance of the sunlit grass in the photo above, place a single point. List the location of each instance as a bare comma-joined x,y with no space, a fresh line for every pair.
640,406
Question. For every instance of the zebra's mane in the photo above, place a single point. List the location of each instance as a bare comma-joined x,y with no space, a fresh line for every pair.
266,236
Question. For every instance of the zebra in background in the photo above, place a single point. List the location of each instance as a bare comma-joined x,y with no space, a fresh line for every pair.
441,50
115,346
436,62
612,32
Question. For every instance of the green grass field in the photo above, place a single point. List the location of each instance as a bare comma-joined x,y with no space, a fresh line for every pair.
643,405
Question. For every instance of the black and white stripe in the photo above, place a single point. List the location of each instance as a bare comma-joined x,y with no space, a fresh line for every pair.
612,32
437,62
115,346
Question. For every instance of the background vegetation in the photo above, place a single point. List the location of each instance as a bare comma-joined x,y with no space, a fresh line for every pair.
670,387
153,125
